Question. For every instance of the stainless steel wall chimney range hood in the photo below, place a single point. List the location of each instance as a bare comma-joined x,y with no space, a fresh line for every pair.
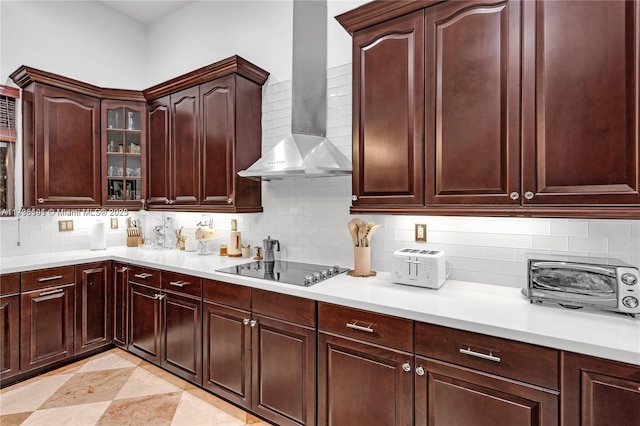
306,152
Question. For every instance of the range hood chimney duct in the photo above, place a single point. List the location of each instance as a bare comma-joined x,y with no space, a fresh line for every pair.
306,152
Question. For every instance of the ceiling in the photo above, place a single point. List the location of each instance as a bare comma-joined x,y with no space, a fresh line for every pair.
145,11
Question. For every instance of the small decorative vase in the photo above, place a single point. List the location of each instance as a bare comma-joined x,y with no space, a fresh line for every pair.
361,261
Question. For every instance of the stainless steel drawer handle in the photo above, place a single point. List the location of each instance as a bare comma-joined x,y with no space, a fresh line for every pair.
354,325
143,276
55,277
178,283
490,357
49,293
124,269
406,367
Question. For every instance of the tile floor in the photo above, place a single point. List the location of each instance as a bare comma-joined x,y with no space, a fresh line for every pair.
115,388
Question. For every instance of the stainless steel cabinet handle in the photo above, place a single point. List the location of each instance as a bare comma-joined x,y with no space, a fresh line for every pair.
50,292
245,321
514,196
180,284
420,371
406,367
354,198
40,200
253,323
55,277
528,195
229,201
354,325
490,357
124,269
143,276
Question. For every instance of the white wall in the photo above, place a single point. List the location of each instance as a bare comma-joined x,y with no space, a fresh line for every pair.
87,41
309,217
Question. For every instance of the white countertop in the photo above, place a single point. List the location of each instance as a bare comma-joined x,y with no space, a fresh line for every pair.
493,310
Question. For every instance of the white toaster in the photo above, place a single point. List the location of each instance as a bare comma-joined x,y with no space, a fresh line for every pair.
422,268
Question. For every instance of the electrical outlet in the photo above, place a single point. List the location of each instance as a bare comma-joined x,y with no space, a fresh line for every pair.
421,232
114,223
65,225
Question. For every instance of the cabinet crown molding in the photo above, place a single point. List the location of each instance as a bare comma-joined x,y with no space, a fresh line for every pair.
379,11
234,64
25,75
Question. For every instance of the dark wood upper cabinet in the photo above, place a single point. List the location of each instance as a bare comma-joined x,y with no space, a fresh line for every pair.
473,103
158,175
62,125
530,108
580,103
185,147
388,106
207,127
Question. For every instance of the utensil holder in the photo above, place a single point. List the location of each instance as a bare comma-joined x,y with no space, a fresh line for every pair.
362,261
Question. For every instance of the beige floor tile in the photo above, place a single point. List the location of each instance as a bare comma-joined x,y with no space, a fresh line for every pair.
169,377
85,414
89,387
13,419
153,410
143,383
193,411
220,404
110,361
32,395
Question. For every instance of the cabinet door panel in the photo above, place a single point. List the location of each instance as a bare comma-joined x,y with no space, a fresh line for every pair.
46,326
388,129
185,151
452,395
284,371
217,104
144,322
227,353
360,383
67,148
473,102
158,152
580,102
182,353
120,293
93,307
596,391
9,336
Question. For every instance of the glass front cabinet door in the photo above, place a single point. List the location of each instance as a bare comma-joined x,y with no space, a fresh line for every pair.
123,165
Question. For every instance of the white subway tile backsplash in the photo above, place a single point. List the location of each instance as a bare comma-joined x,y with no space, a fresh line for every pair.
569,227
588,244
610,229
624,246
552,243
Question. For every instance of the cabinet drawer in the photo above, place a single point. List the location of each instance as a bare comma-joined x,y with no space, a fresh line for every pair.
364,325
521,361
285,307
9,284
227,294
145,276
181,283
41,278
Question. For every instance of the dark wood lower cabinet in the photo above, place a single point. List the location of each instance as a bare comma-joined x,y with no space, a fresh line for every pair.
120,298
94,327
227,352
596,391
284,371
182,336
46,332
9,325
448,394
363,383
144,326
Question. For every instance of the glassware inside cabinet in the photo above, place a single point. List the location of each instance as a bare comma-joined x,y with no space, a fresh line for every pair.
115,189
133,189
133,119
133,166
114,141
133,143
115,118
115,165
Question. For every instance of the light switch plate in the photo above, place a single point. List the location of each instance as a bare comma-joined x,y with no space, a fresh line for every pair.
421,232
65,225
114,223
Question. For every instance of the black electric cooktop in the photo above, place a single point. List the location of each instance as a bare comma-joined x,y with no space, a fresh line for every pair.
302,274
